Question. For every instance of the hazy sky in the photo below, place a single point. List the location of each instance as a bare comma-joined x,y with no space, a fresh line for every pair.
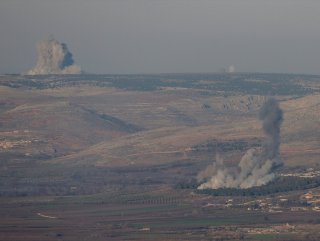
154,36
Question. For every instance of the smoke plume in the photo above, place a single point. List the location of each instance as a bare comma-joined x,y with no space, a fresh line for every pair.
256,167
54,58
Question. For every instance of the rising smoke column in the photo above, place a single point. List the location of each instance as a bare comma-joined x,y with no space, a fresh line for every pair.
271,115
54,58
255,167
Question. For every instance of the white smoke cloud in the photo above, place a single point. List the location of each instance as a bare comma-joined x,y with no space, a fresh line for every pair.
231,69
256,166
54,58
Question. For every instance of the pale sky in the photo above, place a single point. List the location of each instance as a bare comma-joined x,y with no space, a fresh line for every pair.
164,36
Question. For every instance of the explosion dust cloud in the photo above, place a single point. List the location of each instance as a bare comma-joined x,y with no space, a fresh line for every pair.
54,58
256,167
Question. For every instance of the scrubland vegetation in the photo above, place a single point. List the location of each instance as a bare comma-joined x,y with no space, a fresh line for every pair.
116,157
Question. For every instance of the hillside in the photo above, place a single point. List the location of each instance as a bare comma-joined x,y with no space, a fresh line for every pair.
118,126
122,153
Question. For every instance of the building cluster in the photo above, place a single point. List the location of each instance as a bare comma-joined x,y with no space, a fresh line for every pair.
309,201
309,173
10,144
312,199
285,228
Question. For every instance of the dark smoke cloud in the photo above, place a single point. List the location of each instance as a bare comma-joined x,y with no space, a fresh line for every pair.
54,58
271,115
255,167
